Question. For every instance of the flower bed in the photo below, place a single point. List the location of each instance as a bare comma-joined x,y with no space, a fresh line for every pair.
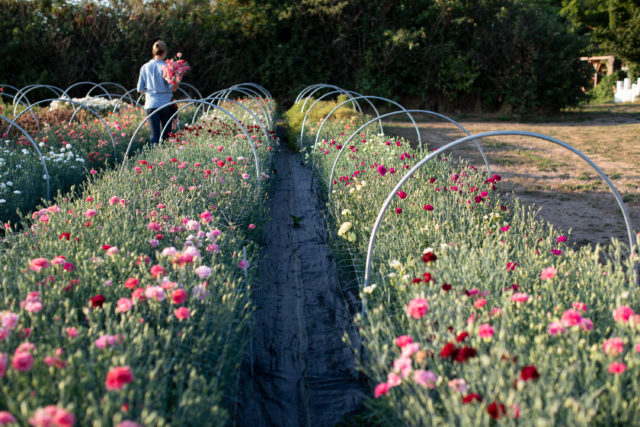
129,303
476,310
71,151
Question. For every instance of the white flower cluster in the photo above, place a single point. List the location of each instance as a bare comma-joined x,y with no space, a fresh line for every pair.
99,104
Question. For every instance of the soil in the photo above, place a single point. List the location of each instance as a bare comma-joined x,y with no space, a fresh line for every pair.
567,191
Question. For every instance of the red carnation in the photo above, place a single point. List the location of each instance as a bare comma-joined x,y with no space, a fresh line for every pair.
469,398
446,287
496,410
131,283
448,349
117,377
97,301
462,336
429,257
529,373
463,354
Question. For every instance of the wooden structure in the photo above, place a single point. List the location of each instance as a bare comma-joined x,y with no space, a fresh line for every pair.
600,63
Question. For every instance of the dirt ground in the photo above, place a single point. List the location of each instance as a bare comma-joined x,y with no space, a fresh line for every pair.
568,192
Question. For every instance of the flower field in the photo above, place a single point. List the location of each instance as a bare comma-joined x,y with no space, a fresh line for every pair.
128,303
476,312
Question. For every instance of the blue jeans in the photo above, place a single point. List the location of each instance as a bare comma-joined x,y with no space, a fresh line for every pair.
158,121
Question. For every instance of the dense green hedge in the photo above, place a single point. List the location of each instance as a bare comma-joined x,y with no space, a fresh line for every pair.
441,54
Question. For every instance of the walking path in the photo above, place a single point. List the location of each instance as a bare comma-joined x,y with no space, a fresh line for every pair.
303,374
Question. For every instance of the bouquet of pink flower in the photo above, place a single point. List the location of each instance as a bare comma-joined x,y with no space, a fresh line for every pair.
175,69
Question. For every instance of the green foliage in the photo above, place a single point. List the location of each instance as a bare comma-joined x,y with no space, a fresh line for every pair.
604,92
296,115
185,370
438,54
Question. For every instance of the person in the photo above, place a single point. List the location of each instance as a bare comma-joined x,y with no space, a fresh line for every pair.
158,92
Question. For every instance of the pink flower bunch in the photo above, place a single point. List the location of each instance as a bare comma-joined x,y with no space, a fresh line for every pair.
52,416
118,377
417,308
32,302
570,318
56,360
175,69
22,358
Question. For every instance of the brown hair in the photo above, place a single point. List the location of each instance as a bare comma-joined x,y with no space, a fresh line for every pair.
159,48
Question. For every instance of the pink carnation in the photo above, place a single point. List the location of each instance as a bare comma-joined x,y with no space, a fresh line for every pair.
520,297
548,273
38,264
571,317
555,328
613,346
417,308
381,389
403,340
425,378
622,314
182,313
485,331
118,377
52,416
617,368
6,418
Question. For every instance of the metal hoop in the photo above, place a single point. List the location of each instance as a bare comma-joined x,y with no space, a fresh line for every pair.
113,142
370,97
44,165
255,153
404,179
393,113
54,89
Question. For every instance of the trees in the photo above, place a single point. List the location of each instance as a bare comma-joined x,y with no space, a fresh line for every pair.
440,54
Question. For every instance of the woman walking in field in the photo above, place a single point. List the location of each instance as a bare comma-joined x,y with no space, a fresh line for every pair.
158,92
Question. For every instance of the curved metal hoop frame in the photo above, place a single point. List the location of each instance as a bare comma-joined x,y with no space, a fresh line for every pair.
381,128
15,89
192,87
255,153
25,105
308,89
220,98
325,86
226,92
406,177
258,96
80,105
174,115
55,89
44,165
258,87
394,113
351,99
126,95
92,84
109,94
222,95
